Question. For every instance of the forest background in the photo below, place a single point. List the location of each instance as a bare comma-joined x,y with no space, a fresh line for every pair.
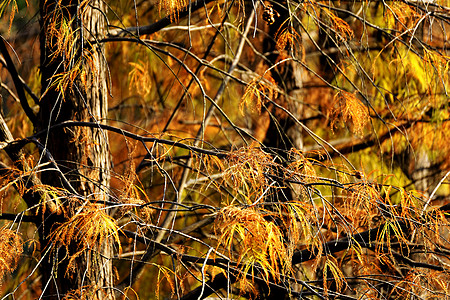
229,149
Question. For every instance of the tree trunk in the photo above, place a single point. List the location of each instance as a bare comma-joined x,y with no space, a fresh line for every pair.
74,87
283,133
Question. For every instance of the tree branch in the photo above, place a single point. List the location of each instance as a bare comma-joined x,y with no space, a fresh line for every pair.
19,217
25,86
358,145
143,139
164,22
17,82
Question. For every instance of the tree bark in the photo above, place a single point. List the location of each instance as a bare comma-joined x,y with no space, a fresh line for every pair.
283,133
74,87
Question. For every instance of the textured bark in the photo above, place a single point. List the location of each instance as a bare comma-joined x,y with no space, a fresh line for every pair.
82,154
283,133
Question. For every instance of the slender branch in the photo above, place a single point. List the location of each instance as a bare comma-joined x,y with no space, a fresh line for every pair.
164,22
25,86
31,196
10,92
358,145
17,82
143,139
18,217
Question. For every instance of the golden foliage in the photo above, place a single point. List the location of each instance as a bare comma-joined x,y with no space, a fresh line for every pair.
213,163
61,38
78,71
246,171
256,93
433,137
287,37
132,195
52,195
65,41
140,78
438,64
77,295
270,14
172,7
63,81
259,243
85,293
331,265
86,229
348,107
364,194
404,17
430,230
10,250
390,231
357,208
126,294
296,219
341,28
14,9
422,282
164,273
301,166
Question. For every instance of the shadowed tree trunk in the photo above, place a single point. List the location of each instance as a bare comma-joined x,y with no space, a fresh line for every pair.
282,133
74,87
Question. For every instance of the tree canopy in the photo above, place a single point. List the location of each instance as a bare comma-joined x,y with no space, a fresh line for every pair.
229,149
